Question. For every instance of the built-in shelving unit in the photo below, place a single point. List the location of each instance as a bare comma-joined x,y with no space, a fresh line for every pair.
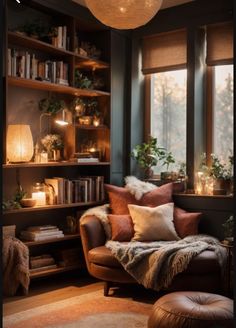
21,96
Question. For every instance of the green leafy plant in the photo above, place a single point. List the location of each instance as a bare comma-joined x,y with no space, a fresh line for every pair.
219,170
82,81
228,227
51,105
168,159
148,153
14,203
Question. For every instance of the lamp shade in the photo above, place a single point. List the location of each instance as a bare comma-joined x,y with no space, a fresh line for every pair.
124,14
20,147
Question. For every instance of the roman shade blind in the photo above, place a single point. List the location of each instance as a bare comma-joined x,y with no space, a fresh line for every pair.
220,44
164,51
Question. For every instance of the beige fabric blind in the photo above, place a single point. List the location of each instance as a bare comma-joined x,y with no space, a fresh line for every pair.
164,51
220,44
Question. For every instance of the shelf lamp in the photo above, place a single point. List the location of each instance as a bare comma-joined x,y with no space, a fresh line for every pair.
20,147
63,117
124,14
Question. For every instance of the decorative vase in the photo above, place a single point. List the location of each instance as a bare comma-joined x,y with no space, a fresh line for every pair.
148,173
56,154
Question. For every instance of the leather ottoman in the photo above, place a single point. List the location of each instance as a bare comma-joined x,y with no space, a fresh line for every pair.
191,310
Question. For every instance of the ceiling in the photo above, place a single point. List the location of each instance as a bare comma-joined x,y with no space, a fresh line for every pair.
165,4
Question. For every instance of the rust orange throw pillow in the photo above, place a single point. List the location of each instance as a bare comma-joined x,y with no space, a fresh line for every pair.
122,228
119,198
158,196
186,223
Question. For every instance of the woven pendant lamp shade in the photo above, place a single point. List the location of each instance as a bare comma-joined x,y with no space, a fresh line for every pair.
20,146
124,14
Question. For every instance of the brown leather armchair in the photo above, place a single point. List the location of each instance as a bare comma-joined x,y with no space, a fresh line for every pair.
202,274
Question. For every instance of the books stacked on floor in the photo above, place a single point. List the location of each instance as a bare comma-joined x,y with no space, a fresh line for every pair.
81,189
40,233
41,263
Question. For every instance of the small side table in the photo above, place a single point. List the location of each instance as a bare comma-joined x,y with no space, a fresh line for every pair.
229,268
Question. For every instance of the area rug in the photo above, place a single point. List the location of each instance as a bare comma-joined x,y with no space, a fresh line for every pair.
91,310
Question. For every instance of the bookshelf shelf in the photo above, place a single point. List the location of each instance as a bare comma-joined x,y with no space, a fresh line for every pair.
50,207
48,86
91,127
52,240
45,273
52,164
31,43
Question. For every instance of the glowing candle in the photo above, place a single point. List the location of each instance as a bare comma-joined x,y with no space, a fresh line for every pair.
40,197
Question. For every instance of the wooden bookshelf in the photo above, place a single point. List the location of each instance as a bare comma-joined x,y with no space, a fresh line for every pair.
52,164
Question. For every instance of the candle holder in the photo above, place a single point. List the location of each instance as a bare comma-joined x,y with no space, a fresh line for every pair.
38,193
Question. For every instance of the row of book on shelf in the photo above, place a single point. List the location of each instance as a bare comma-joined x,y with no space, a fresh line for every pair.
83,189
25,65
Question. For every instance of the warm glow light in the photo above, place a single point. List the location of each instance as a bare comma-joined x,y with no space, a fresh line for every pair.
63,117
20,146
124,14
40,197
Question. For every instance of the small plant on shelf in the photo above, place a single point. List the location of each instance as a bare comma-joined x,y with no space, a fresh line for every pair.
51,105
52,142
168,159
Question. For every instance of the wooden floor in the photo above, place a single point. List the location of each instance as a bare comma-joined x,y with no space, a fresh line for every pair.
57,288
50,290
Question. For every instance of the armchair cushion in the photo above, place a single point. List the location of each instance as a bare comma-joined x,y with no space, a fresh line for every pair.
153,223
122,228
186,223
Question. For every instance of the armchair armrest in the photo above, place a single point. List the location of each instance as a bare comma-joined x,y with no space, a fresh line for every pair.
92,234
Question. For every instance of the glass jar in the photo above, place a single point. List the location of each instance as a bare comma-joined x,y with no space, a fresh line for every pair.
38,193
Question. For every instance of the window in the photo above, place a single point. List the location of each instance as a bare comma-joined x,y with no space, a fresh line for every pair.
223,111
168,113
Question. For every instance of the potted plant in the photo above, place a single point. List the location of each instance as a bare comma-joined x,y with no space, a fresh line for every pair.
222,175
228,227
168,159
147,155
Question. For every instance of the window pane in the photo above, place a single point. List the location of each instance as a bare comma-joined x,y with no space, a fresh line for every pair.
168,114
223,111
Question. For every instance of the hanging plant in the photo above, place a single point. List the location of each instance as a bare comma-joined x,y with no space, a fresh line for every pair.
51,105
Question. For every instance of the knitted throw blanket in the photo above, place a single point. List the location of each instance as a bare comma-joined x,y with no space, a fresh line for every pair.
15,259
155,264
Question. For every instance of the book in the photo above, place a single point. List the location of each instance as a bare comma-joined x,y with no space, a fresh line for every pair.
42,228
30,236
44,268
87,160
38,263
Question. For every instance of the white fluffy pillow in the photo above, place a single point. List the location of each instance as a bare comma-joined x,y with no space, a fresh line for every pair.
153,223
137,187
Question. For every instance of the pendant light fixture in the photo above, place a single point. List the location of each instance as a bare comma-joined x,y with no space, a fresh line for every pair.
124,14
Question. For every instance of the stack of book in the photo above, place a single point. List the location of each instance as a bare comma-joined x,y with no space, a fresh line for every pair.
41,263
40,233
61,39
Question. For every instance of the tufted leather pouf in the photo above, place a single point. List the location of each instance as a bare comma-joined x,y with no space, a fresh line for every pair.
192,310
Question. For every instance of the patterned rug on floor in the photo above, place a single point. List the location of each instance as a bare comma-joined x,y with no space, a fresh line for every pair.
91,310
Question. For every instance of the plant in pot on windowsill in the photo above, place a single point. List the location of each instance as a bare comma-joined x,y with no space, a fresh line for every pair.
147,155
168,159
221,174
